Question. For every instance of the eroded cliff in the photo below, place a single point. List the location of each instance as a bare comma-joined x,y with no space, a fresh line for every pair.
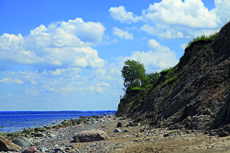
194,94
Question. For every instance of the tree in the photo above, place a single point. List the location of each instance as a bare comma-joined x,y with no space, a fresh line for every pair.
152,77
133,73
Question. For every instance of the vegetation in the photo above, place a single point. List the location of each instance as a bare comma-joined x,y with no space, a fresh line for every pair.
203,37
133,73
129,103
152,77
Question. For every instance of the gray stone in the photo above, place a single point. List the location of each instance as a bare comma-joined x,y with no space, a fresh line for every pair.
117,130
90,135
126,131
6,145
22,142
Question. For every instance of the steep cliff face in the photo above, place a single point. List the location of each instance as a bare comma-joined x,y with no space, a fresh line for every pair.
195,94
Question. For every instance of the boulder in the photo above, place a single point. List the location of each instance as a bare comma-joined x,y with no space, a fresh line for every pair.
22,142
31,149
90,135
119,124
6,145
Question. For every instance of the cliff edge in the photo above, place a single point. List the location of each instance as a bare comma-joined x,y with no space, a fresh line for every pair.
194,94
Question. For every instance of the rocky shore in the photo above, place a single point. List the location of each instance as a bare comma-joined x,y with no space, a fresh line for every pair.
123,136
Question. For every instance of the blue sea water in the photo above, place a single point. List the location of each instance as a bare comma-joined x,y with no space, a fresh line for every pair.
12,121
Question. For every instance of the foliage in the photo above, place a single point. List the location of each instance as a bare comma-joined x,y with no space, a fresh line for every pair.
153,77
120,105
130,104
133,73
203,37
136,107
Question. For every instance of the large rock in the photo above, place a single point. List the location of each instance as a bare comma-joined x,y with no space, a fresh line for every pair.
22,142
31,150
90,135
6,145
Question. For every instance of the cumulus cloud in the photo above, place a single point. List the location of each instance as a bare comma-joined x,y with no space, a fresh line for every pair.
120,14
161,57
153,44
62,45
222,10
123,34
190,13
11,81
162,31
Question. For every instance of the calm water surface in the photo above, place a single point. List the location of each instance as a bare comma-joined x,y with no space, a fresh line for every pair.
12,121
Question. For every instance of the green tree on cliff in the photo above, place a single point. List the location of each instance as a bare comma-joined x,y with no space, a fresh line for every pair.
133,73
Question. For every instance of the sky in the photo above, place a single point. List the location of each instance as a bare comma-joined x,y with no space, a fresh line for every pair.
68,55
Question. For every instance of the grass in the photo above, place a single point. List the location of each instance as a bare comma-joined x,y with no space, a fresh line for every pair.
137,88
130,104
136,107
202,37
120,105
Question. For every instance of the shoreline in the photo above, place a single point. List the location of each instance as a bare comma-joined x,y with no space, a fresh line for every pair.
138,138
40,118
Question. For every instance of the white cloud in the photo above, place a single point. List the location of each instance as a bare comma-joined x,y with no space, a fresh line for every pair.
99,90
162,31
10,95
120,14
222,10
183,46
62,45
47,88
33,82
153,44
11,81
123,34
190,13
160,58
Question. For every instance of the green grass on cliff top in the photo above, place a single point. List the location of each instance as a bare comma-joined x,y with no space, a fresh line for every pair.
203,37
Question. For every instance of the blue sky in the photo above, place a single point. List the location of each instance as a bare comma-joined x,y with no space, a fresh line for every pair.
67,55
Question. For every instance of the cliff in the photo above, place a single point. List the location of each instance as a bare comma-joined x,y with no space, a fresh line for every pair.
194,94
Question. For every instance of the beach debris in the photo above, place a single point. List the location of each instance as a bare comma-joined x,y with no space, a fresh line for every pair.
6,145
22,142
126,130
90,135
117,130
31,149
119,124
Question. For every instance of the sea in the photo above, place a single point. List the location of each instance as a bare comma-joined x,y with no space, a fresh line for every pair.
14,121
